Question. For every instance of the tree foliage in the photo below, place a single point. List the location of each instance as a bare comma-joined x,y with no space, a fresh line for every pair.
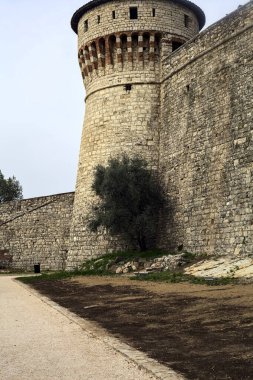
130,200
10,189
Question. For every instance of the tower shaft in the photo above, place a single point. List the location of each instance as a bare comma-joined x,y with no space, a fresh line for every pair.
120,52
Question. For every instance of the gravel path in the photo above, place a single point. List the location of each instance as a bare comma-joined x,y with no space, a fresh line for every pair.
38,342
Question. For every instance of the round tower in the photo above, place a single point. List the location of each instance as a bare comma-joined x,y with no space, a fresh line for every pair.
121,44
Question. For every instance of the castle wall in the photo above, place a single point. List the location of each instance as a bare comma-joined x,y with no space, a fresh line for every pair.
187,112
113,55
169,17
116,122
206,140
36,230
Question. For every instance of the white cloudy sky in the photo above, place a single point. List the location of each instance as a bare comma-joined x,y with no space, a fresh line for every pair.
41,93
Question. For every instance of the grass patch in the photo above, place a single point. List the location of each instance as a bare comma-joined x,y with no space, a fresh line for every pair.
96,267
101,265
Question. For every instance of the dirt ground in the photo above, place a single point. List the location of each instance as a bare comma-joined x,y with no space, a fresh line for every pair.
206,333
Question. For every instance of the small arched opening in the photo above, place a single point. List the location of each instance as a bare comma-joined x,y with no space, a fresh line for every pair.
101,53
135,49
146,47
112,49
123,41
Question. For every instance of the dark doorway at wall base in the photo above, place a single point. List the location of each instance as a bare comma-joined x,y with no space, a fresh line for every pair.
37,268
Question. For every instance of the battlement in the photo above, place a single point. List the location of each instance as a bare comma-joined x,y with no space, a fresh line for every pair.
183,110
119,37
181,100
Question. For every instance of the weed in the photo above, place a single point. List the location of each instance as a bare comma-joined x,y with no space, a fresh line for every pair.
101,267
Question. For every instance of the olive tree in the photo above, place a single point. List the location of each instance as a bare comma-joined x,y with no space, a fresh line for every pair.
10,189
130,199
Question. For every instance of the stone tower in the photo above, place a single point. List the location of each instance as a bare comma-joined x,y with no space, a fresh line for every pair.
121,45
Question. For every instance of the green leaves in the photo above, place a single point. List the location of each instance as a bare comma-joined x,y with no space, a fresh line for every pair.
10,189
130,200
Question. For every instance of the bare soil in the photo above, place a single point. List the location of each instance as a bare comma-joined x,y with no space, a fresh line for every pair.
206,333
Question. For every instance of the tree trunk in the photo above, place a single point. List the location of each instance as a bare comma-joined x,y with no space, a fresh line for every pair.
142,242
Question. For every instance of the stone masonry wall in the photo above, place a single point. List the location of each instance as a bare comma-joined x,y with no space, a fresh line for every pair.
187,112
119,119
169,17
119,126
36,230
206,139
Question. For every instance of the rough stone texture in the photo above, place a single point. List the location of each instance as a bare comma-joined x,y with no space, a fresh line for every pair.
169,18
160,264
206,149
234,267
187,112
118,120
35,230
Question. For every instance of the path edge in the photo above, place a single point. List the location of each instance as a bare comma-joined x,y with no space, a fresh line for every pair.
139,358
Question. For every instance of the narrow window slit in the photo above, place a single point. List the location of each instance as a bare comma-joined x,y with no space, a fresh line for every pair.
86,25
176,45
133,13
128,87
187,21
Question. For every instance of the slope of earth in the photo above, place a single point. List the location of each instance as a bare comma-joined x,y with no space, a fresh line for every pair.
202,332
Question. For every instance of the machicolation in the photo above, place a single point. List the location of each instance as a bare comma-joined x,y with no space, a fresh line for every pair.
182,99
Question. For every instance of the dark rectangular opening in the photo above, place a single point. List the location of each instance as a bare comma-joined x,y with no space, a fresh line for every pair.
128,87
113,14
98,19
86,26
133,13
176,45
153,12
187,21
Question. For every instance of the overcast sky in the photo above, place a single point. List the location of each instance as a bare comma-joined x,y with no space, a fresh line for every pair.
41,91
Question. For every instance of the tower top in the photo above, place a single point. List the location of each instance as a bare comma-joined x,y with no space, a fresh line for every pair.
94,3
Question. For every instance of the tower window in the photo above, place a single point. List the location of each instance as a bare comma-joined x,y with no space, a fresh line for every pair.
113,14
86,26
128,87
176,45
133,11
98,19
187,21
153,12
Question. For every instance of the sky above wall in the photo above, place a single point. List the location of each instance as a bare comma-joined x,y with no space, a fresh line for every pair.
41,91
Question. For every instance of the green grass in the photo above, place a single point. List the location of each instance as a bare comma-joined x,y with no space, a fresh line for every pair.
96,267
101,264
100,267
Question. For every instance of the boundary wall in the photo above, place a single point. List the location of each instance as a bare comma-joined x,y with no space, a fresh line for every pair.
206,139
195,125
34,231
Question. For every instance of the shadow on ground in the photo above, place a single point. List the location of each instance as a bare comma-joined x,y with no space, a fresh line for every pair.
204,333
